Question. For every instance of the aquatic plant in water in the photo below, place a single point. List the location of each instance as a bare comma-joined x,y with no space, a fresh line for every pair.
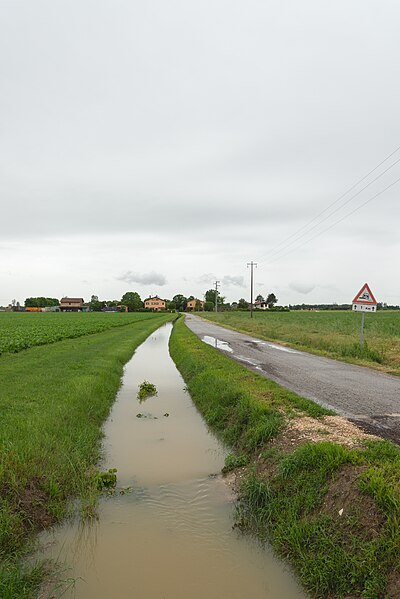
146,390
106,480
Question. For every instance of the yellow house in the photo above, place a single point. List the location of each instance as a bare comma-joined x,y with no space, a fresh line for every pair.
155,303
195,304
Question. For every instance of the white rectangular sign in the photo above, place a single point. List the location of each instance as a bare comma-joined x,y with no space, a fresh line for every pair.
364,308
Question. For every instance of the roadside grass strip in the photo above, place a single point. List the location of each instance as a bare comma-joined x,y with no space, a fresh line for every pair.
329,333
53,402
332,508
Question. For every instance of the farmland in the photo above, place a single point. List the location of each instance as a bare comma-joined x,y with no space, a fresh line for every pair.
330,333
20,331
54,399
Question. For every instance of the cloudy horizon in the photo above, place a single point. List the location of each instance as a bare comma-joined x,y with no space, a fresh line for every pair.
157,147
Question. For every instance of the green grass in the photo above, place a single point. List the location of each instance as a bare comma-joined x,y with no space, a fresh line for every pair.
331,333
244,408
53,402
292,498
21,330
334,555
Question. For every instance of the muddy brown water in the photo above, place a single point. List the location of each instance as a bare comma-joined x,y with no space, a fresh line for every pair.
171,535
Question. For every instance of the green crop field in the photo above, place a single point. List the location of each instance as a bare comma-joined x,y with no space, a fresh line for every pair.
19,331
331,333
54,399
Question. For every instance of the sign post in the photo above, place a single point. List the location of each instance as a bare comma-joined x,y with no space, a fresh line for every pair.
364,302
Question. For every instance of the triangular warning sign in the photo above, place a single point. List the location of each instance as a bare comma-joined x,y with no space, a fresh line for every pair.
365,296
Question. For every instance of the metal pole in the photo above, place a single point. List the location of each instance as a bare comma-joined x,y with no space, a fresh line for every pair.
361,332
216,295
251,264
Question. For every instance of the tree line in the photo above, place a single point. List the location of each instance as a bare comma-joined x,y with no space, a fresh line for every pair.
134,303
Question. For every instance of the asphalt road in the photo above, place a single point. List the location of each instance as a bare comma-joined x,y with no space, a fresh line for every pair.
367,397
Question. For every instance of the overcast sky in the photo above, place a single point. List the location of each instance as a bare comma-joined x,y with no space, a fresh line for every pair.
158,146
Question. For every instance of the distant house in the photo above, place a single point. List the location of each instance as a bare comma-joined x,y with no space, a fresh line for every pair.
195,304
155,303
261,305
72,304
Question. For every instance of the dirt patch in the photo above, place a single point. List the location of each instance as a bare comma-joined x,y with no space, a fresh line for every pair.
235,478
393,588
32,502
328,428
350,508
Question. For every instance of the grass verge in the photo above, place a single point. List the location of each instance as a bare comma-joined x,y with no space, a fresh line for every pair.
328,501
53,402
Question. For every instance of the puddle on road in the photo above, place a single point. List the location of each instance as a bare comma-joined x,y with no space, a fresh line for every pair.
217,343
171,537
273,346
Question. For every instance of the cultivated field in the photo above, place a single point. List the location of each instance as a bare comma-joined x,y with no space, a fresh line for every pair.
22,330
331,333
53,401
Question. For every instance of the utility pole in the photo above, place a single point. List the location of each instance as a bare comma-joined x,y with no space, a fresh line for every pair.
251,264
217,283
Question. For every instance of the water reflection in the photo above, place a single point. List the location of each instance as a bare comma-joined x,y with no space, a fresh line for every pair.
217,343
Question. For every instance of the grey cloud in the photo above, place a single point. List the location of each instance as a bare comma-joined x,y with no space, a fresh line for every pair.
302,287
206,279
236,281
150,278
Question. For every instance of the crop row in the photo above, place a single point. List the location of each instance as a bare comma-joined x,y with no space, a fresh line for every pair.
19,331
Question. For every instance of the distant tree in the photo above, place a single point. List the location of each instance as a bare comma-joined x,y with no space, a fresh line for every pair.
209,306
95,305
132,300
242,304
180,302
171,305
271,300
41,302
209,296
259,298
198,305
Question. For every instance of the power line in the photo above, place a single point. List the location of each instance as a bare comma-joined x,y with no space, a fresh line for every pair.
336,222
283,242
337,209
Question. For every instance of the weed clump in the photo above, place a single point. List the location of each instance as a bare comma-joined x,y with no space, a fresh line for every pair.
106,480
233,461
146,390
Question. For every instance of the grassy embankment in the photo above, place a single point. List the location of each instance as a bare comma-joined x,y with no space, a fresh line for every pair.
53,401
323,493
330,333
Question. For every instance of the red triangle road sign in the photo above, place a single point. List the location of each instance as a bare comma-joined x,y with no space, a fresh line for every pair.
365,296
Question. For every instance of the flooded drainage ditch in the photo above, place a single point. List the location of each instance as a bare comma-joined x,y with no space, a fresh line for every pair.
169,534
